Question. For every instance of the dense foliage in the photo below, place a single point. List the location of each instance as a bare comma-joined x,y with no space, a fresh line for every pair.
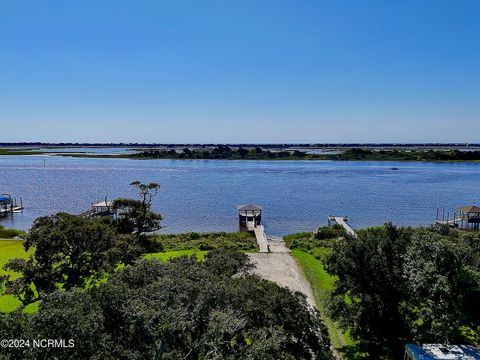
384,152
208,241
227,153
322,237
183,309
69,251
136,216
72,251
220,152
397,285
407,155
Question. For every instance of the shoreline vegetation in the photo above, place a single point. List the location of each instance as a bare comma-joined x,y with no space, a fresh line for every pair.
198,292
224,152
392,285
166,247
330,281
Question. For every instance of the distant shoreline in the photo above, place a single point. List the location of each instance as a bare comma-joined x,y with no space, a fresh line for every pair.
224,152
426,145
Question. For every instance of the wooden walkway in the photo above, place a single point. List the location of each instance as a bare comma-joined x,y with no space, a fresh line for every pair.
452,222
342,221
87,213
261,238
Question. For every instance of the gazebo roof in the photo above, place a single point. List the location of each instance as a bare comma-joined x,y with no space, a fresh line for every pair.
103,204
470,209
249,207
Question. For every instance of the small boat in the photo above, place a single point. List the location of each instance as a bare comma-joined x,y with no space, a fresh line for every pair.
8,205
394,168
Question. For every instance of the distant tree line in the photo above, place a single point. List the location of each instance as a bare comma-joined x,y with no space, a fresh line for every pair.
227,153
220,152
406,155
275,146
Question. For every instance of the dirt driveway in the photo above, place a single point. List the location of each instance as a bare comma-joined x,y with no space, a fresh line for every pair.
280,267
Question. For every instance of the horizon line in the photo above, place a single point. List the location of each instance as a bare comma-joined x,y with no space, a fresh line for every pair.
303,144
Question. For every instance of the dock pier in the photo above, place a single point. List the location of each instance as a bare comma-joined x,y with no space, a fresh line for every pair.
250,219
102,208
342,221
261,239
9,205
466,217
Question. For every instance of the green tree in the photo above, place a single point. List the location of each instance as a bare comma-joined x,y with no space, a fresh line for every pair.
370,287
443,281
183,309
398,285
13,326
136,216
69,251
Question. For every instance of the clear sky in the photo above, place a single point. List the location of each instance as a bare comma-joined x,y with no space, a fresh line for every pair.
240,71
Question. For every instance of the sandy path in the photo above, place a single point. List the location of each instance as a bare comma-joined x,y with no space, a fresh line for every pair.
280,267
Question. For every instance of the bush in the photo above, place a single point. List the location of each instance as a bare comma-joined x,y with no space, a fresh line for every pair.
322,237
11,233
183,309
332,232
205,242
398,285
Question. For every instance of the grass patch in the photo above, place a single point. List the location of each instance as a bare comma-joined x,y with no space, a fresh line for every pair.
322,283
10,249
240,241
173,246
14,249
19,152
10,233
322,237
168,255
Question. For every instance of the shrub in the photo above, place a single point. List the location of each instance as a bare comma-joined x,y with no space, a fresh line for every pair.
205,242
11,233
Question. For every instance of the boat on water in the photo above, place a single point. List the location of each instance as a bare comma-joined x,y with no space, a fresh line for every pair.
8,205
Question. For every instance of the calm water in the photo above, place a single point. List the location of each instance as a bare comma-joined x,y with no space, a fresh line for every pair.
85,150
201,195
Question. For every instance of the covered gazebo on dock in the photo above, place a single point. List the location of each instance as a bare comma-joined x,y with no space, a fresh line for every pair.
249,216
466,217
470,215
103,207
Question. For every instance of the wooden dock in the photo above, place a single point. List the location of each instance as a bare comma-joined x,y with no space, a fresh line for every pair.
102,208
466,217
8,205
450,222
342,221
261,239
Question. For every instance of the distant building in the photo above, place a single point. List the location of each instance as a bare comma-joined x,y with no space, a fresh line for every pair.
441,352
103,207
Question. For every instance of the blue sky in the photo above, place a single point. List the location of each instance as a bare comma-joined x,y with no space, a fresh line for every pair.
240,71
